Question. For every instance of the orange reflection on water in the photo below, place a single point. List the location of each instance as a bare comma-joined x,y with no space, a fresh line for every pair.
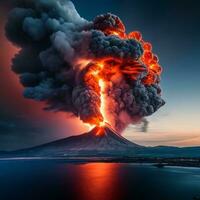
99,181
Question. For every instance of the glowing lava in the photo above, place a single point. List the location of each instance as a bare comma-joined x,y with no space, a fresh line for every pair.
103,101
102,108
94,78
100,131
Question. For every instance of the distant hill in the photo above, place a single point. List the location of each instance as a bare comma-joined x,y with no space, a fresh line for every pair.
169,152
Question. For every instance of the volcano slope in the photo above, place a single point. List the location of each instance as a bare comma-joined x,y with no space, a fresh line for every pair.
100,141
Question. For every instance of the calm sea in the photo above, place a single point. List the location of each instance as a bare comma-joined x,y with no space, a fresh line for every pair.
44,180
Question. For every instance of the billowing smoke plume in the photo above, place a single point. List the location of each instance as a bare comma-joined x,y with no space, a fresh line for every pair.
144,126
63,57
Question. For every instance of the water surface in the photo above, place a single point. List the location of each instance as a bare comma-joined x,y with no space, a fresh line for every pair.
44,180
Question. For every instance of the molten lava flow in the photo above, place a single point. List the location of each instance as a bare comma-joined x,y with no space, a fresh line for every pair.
102,87
93,79
103,101
100,131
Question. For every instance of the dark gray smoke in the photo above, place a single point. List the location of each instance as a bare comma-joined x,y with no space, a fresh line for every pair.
144,125
54,39
102,45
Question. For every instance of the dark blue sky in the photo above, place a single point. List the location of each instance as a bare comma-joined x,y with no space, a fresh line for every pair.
173,27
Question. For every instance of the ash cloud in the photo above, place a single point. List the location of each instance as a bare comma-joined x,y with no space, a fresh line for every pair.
53,38
102,45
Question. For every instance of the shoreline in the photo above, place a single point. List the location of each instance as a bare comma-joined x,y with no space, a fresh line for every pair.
157,162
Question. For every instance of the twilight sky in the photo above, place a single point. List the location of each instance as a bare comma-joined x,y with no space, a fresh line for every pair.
172,26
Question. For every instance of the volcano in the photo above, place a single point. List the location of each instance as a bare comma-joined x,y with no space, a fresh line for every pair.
100,141
100,144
